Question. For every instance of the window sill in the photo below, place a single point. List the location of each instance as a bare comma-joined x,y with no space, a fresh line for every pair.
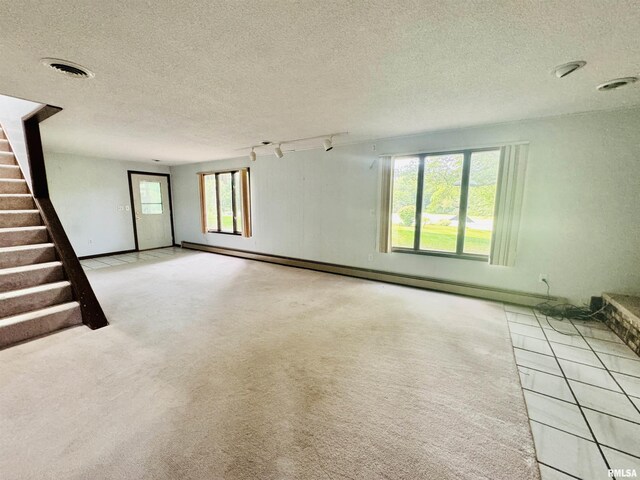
238,234
464,256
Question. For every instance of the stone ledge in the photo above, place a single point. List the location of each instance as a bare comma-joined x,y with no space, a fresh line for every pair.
622,315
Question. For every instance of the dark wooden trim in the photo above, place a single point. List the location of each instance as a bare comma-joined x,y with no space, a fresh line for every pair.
42,114
92,314
39,184
133,213
133,210
426,283
108,254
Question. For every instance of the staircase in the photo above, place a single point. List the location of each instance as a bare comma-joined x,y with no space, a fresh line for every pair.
35,297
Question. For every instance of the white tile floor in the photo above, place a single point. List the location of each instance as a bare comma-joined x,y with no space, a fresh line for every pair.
113,260
581,385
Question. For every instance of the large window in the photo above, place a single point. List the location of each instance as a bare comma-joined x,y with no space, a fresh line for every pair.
443,204
225,198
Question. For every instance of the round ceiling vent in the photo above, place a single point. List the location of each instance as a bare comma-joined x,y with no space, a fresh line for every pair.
616,83
69,69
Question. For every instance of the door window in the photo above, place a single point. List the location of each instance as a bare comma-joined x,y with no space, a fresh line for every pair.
151,198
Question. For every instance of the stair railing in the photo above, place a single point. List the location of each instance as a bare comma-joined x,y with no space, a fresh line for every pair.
92,314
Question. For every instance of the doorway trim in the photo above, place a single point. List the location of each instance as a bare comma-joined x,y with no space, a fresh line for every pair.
133,212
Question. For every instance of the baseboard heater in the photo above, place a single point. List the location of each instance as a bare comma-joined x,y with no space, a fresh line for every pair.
468,289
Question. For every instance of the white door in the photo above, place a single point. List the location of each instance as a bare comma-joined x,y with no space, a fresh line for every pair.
152,210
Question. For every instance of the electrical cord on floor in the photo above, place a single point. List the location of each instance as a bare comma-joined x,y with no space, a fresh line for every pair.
565,311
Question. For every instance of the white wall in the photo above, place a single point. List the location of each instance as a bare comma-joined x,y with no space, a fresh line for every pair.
580,222
12,111
86,193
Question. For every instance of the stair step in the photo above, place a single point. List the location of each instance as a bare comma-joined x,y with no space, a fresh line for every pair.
4,145
26,255
38,322
17,201
19,218
25,276
13,185
10,237
7,160
10,171
34,298
2,135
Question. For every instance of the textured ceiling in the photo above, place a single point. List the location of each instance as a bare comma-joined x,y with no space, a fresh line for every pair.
186,81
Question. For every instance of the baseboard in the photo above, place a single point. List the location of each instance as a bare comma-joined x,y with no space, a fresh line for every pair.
467,289
108,254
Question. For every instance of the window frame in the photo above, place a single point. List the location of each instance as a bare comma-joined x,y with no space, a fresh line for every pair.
236,181
462,208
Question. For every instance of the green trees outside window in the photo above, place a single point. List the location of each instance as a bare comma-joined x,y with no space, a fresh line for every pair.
444,203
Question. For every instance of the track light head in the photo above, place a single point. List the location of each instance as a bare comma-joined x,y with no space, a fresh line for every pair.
278,152
327,144
252,155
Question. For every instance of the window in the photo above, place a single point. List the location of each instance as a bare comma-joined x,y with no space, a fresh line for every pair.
225,199
151,198
443,204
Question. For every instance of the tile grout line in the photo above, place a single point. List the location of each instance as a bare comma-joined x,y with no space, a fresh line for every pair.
614,378
558,470
524,400
573,379
574,361
606,462
583,406
575,346
563,431
583,438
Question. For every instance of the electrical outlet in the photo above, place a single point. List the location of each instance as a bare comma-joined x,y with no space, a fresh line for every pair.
543,278
120,208
370,257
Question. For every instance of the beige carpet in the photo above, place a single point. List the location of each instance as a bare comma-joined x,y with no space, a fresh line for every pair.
221,368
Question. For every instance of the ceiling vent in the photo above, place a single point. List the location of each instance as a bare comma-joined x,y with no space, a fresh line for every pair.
616,83
69,69
562,71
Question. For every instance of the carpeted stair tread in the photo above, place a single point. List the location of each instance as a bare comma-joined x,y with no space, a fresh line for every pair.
16,201
26,235
39,322
24,300
31,290
17,255
18,248
13,185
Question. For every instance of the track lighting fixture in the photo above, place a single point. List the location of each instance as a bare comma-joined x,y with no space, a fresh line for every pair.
303,144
